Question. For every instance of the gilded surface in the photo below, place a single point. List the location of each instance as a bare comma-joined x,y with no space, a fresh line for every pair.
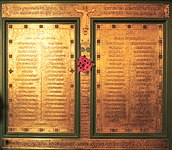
127,144
129,86
85,12
40,71
95,10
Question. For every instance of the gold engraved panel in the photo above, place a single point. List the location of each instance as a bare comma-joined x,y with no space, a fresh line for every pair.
85,12
113,144
129,78
41,77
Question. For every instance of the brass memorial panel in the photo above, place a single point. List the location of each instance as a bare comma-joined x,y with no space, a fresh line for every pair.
87,14
129,78
41,77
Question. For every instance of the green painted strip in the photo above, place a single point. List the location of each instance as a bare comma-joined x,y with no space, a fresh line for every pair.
1,79
169,76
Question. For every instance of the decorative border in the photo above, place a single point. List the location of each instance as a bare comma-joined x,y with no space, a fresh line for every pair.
86,1
159,144
71,10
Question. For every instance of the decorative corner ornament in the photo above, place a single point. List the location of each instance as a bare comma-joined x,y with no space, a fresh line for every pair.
85,49
84,64
166,11
85,15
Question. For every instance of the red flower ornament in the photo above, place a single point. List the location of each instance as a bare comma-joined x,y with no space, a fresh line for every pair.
84,64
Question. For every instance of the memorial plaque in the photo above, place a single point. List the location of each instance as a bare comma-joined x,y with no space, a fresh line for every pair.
41,77
49,99
129,78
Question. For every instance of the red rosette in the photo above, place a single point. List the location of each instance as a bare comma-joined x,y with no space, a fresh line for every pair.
84,64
